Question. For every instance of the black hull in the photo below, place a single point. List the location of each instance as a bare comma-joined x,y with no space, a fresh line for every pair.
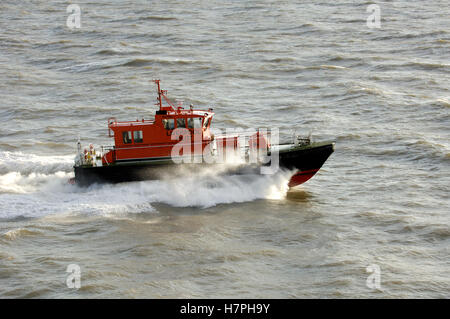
305,158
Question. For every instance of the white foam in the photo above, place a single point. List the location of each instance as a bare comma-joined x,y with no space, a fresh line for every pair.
31,163
39,188
16,182
206,191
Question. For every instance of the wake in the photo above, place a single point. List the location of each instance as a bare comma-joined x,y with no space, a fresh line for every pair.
36,186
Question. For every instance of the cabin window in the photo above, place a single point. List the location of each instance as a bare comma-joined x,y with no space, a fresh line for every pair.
169,124
127,137
190,122
181,122
194,122
138,136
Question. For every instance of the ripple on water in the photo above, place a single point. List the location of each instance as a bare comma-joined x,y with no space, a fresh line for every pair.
18,233
382,197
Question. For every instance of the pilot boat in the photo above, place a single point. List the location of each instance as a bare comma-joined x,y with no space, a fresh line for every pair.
180,141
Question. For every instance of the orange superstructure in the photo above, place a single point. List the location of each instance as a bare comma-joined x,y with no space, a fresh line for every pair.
154,139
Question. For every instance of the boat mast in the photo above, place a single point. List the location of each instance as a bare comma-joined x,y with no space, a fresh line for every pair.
161,95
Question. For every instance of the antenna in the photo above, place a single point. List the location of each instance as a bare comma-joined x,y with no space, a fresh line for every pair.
159,93
162,95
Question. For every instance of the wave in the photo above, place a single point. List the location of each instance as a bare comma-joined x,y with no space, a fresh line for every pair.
138,62
130,62
331,67
19,232
367,90
96,65
281,60
429,231
428,65
443,102
25,164
35,186
157,18
412,35
17,183
56,196
414,65
433,148
404,145
117,51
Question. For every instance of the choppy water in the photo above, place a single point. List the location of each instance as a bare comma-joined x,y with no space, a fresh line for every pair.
382,198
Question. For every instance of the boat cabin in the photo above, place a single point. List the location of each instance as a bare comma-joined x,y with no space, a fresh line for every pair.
144,140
